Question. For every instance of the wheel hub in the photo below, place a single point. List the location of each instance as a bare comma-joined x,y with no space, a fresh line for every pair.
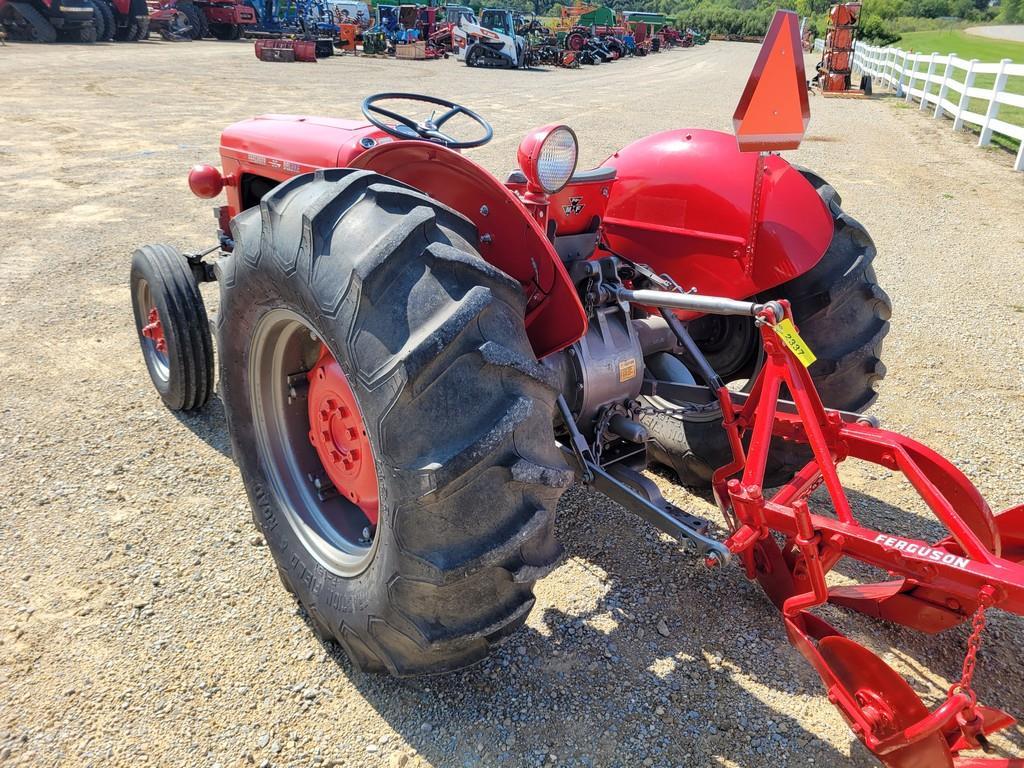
338,434
154,330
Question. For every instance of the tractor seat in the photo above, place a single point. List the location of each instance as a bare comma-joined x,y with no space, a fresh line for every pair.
580,177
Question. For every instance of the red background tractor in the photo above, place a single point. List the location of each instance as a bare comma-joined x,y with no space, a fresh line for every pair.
46,21
222,19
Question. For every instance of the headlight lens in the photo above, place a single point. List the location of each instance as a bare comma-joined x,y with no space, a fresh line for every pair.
556,160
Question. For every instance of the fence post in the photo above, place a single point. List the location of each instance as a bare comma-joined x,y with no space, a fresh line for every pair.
993,105
928,80
903,73
944,88
961,107
1019,165
910,82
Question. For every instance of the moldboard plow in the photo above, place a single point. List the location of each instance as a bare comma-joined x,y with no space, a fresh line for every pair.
417,359
936,586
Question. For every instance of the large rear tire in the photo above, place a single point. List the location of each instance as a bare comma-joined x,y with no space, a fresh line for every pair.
842,313
431,344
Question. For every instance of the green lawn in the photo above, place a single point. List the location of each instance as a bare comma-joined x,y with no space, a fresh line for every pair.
973,47
963,45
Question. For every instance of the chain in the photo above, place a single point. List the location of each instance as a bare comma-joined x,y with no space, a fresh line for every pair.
599,431
973,644
677,410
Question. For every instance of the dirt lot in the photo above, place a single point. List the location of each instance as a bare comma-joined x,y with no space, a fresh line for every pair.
141,623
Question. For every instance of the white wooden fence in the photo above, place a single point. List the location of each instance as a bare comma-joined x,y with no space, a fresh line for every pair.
944,85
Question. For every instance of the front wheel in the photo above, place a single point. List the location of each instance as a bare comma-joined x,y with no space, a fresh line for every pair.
842,313
391,424
173,328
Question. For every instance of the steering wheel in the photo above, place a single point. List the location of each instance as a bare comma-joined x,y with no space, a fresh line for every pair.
430,129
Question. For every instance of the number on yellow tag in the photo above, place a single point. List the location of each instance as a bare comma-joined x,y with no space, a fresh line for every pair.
788,333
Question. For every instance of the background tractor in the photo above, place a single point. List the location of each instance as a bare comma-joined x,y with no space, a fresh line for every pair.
43,21
222,19
417,359
126,20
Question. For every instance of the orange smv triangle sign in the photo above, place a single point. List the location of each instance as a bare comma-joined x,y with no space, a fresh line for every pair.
773,112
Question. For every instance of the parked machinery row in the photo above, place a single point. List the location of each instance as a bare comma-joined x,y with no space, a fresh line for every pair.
495,38
504,38
76,21
87,21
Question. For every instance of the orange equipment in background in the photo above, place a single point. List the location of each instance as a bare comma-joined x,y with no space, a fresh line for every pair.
835,71
347,36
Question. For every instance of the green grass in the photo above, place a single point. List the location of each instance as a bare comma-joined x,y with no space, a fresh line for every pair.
963,45
969,47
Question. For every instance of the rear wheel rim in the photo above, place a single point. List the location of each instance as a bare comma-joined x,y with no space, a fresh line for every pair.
337,529
151,331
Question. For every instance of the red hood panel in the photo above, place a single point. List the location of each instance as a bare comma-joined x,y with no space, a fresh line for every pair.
319,142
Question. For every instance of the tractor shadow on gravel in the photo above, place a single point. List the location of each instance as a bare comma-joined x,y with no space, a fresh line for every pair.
649,657
209,424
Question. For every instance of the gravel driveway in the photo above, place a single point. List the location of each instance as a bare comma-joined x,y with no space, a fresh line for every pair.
141,622
1013,32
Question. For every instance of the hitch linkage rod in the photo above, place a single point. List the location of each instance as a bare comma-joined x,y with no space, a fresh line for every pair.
695,302
624,491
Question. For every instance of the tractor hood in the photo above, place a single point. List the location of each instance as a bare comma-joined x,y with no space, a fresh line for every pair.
298,143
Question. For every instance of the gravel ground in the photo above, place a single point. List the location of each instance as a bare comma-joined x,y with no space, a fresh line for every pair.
140,618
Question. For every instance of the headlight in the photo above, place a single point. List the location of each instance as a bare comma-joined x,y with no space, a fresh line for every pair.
547,157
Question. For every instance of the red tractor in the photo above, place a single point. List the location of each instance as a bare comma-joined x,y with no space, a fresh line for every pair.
610,39
126,20
45,21
417,359
196,19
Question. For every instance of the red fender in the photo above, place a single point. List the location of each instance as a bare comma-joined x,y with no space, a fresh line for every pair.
510,237
682,203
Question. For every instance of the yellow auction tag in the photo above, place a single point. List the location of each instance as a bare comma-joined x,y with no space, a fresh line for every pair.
788,333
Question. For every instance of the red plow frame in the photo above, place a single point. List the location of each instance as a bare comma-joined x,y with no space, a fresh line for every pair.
935,586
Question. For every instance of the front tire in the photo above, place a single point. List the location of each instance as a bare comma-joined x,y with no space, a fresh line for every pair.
842,313
431,342
173,328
